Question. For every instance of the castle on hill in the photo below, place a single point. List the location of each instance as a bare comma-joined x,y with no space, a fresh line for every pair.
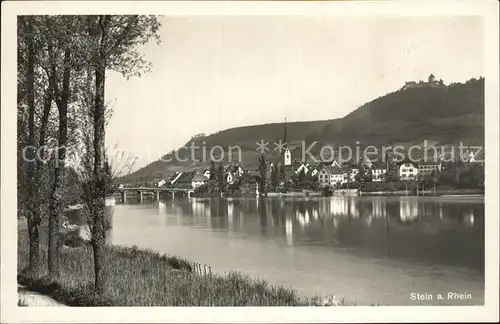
431,82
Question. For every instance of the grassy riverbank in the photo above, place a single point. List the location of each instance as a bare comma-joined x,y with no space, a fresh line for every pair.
138,277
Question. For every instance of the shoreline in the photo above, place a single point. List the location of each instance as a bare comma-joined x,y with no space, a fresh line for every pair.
30,298
360,193
151,279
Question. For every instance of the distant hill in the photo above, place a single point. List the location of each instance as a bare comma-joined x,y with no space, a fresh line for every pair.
440,114
243,137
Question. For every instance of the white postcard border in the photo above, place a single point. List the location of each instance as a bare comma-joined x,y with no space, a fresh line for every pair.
11,313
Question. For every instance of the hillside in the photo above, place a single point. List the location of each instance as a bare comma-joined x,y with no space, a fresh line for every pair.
440,114
243,137
443,114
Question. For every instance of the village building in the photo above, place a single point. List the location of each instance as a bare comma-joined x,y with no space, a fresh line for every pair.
324,177
427,167
190,179
198,180
229,178
174,178
366,163
332,176
378,172
286,162
249,182
317,168
336,163
184,180
158,182
352,173
410,84
236,170
233,172
407,170
472,155
206,173
302,167
431,82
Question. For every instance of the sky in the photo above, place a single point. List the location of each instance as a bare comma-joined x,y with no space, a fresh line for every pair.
212,73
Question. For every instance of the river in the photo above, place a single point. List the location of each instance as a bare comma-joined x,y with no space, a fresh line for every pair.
371,250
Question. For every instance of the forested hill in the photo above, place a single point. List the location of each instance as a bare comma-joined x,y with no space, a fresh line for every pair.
439,113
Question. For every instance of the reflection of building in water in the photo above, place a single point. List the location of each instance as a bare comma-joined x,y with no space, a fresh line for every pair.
162,211
339,206
178,212
241,218
408,209
379,208
368,220
302,217
162,207
324,207
230,213
335,223
353,209
315,213
469,217
200,208
263,215
289,230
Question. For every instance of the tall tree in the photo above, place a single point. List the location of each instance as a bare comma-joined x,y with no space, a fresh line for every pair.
262,174
60,54
274,174
213,171
302,176
34,105
113,45
221,179
281,172
27,31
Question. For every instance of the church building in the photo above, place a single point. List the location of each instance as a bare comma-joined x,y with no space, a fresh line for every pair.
286,160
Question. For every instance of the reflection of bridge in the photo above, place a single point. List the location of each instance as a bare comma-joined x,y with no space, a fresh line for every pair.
156,191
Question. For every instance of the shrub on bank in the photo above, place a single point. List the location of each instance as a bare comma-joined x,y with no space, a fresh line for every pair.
137,277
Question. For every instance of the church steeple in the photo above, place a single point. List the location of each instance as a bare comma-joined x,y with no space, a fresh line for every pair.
284,132
287,156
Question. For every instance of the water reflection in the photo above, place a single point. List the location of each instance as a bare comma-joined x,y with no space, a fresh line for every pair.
427,229
408,209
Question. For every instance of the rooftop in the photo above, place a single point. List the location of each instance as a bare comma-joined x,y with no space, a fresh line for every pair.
334,169
199,177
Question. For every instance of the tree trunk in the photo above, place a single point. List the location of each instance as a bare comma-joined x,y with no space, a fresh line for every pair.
32,215
37,206
99,210
98,242
98,234
34,250
55,207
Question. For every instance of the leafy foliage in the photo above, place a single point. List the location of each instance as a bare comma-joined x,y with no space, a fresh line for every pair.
62,62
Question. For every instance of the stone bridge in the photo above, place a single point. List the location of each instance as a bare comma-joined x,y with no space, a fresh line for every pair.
156,191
